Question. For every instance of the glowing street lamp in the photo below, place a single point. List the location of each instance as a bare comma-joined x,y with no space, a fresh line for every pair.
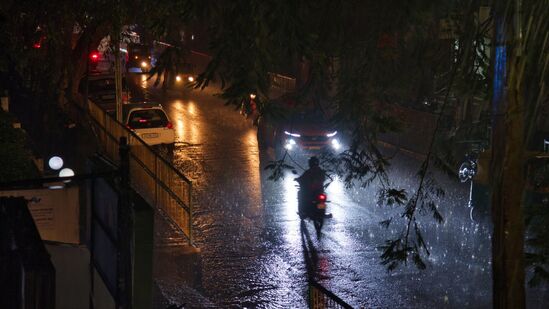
66,172
55,163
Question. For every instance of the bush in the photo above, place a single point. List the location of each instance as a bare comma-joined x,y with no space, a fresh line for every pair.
15,157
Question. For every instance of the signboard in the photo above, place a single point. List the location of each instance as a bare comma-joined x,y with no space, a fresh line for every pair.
56,213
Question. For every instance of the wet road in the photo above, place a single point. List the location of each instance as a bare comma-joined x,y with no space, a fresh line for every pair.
256,253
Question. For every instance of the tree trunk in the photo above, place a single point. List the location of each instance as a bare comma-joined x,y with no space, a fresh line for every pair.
303,73
508,236
89,40
507,182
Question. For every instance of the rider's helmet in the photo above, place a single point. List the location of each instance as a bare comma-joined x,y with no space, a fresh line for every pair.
313,161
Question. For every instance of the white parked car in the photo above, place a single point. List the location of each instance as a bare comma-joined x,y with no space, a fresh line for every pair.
150,123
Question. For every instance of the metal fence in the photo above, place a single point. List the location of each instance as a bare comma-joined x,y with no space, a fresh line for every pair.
320,298
281,84
160,184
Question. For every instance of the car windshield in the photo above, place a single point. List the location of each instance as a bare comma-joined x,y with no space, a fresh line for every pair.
305,117
147,118
186,68
104,85
139,49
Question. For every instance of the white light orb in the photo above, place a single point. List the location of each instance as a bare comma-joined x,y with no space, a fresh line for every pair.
55,163
66,172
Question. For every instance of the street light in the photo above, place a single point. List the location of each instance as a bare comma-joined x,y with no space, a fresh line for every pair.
55,163
66,172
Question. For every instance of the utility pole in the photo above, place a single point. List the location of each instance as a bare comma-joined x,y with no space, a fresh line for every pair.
124,288
118,78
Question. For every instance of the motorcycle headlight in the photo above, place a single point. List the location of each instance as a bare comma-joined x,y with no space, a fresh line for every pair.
290,143
335,144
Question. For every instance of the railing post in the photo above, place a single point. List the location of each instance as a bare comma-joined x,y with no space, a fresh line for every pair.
124,285
190,212
156,182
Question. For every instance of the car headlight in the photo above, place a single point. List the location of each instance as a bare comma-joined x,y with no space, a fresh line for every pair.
292,134
331,134
144,64
335,144
178,78
190,79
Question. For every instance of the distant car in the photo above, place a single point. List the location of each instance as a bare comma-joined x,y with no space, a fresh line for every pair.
307,131
186,76
139,56
150,122
102,90
104,62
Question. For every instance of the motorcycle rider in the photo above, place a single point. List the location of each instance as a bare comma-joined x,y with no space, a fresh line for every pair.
311,183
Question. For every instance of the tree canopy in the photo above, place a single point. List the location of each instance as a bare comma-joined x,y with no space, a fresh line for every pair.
359,57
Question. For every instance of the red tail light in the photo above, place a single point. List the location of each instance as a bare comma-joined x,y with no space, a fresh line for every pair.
321,197
94,56
169,125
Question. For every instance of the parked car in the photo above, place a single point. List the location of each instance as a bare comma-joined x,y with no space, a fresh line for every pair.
150,122
103,62
102,90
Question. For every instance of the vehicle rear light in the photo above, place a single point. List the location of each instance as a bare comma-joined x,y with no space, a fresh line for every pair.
94,56
169,125
321,197
142,120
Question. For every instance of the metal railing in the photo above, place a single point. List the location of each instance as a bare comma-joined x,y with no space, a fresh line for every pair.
160,184
320,297
282,83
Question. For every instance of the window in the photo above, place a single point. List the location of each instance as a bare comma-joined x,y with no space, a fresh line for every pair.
147,118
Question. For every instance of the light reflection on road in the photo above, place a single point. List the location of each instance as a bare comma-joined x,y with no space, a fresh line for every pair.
252,240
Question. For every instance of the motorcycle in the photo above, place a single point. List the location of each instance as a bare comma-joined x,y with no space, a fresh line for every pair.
313,207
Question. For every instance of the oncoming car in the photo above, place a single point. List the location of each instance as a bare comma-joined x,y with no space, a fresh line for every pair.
308,131
150,123
139,56
186,76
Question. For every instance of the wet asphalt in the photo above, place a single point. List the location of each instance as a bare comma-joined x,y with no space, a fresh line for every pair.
256,253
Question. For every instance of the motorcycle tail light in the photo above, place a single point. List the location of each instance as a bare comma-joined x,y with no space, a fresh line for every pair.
321,197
